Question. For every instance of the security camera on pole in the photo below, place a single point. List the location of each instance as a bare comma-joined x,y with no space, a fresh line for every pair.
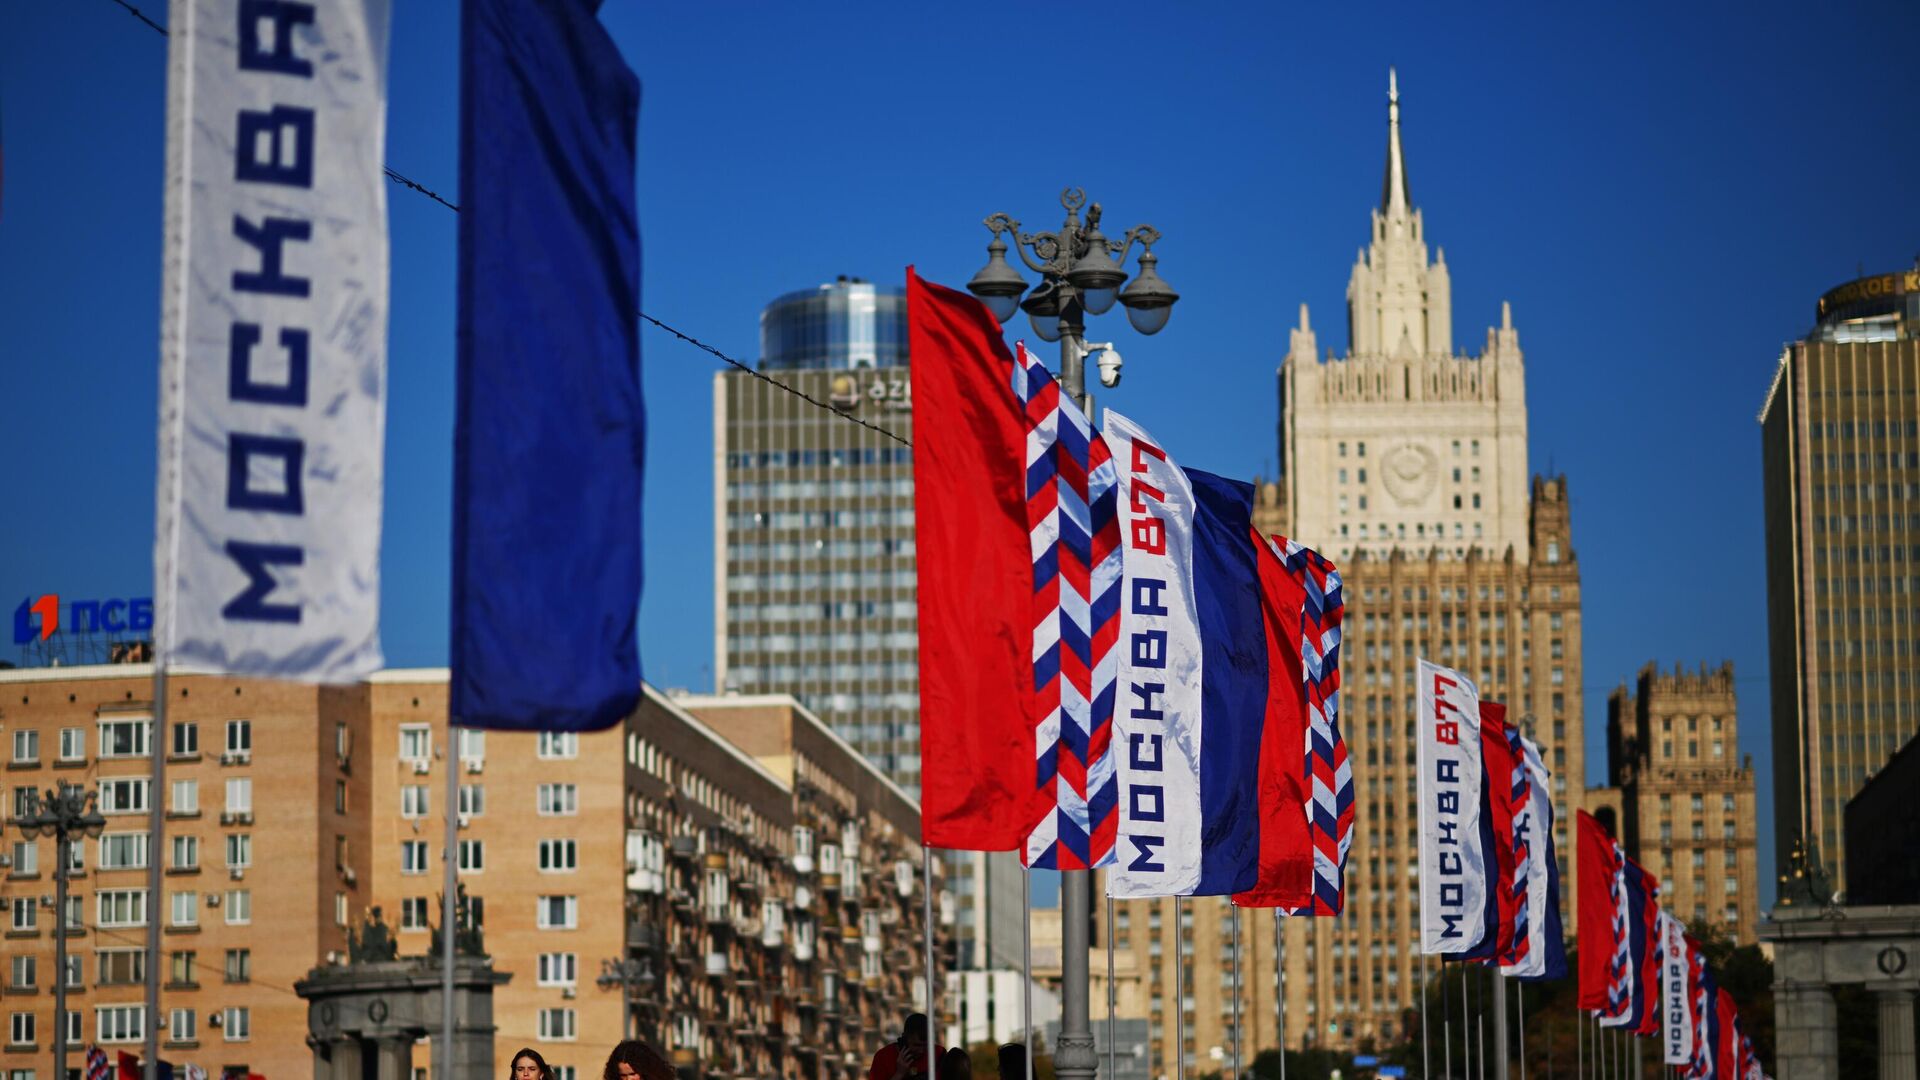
1082,273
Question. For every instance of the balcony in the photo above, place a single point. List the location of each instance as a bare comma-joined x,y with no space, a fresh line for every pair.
646,938
718,966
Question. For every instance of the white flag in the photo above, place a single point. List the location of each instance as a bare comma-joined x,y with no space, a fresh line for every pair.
273,340
1157,719
1453,867
1676,1007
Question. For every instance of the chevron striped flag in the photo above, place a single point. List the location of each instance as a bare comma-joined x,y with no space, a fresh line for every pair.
1519,937
1539,947
1328,772
97,1066
1074,539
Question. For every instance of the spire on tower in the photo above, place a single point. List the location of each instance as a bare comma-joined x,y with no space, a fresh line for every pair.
1393,188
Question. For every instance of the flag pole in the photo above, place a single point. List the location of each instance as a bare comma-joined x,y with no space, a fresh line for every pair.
1234,914
926,878
1026,963
1480,1028
1500,1026
1179,998
1446,1023
1520,1009
156,882
1280,985
1426,1056
1113,1066
450,885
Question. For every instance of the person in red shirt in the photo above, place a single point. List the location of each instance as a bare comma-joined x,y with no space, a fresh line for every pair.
907,1057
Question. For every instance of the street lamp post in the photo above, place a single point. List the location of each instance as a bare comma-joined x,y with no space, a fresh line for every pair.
63,813
628,973
1081,273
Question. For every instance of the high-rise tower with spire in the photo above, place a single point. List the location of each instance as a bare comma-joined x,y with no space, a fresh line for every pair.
1425,448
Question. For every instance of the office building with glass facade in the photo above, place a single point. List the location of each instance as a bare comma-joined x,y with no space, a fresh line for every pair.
1840,458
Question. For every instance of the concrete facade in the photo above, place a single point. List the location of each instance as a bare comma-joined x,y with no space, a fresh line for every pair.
1687,797
1815,949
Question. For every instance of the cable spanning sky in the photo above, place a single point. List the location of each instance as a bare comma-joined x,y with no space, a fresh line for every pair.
1660,193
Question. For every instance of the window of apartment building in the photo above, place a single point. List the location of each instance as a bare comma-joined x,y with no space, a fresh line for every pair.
239,907
340,909
473,855
185,736
558,744
119,1023
21,1029
1699,859
123,851
559,799
120,967
180,969
239,965
339,796
559,856
414,801
186,797
240,737
413,856
413,913
240,795
183,909
556,1024
1730,886
26,858
181,1026
1730,860
416,742
75,964
124,796
558,969
240,851
558,912
26,913
473,745
23,973
124,738
73,744
26,747
1719,748
473,800
122,907
237,1023
1699,803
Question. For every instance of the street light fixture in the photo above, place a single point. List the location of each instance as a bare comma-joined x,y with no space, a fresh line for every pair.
63,813
630,974
1081,273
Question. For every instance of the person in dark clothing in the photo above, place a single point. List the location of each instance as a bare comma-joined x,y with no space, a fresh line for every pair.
1013,1062
906,1058
955,1064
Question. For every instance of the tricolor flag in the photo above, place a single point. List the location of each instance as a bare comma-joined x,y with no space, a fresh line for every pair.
1504,907
976,577
97,1066
273,341
549,426
1453,859
1328,771
1194,678
1539,942
1619,912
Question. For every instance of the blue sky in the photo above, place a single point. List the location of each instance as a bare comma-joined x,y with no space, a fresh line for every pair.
1661,192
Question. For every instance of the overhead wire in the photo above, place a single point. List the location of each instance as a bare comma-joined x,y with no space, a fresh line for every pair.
417,187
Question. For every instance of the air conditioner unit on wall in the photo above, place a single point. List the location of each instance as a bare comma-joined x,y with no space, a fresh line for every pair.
474,765
422,767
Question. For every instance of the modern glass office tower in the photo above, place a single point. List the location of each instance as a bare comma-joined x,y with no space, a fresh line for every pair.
1840,455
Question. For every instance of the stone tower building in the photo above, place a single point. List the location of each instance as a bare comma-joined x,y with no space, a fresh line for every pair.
1686,797
1406,462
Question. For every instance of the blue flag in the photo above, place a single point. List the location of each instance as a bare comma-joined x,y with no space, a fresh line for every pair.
549,432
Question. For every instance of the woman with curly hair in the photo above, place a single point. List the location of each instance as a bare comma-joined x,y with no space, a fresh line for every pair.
529,1065
635,1060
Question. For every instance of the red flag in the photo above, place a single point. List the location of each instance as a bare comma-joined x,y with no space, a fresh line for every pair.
1599,935
1726,1052
127,1065
977,770
1286,848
